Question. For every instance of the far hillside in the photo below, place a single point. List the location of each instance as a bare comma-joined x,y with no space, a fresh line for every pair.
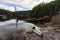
6,15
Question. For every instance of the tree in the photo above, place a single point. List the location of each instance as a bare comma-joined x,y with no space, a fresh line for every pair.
43,9
37,11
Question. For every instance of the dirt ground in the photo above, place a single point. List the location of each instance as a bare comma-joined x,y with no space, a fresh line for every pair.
49,34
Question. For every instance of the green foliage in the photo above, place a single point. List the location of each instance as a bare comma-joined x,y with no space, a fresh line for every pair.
13,15
7,13
43,9
37,11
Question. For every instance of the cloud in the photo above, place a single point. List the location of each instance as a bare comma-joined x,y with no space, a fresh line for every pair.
6,7
11,6
21,4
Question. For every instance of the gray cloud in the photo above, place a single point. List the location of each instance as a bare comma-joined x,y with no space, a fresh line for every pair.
24,3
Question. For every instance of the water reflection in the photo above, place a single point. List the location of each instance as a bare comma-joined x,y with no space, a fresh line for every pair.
10,24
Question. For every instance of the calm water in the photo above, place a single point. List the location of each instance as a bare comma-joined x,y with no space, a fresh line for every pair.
10,23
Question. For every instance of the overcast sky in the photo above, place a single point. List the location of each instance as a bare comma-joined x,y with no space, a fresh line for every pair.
20,4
